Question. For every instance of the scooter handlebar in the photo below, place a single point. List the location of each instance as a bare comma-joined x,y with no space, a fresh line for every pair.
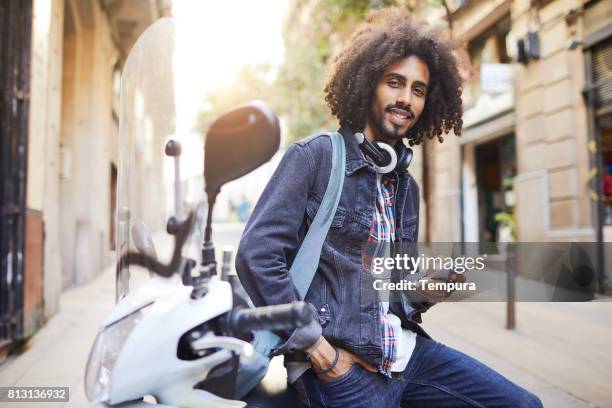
280,317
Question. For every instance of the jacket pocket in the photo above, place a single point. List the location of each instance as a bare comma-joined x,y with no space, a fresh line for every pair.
338,220
312,207
409,230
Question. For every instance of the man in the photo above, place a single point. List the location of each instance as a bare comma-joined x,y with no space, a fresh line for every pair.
393,81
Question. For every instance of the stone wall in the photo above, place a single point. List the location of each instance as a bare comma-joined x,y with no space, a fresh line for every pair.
550,125
551,131
44,130
70,140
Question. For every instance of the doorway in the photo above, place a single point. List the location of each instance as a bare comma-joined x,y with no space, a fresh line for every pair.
495,163
15,50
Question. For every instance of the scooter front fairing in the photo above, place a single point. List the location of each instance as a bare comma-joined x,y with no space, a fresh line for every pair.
137,355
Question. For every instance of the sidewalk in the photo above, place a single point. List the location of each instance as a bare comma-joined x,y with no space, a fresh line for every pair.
57,354
560,351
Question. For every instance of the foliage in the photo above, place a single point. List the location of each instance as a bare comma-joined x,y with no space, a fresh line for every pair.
299,90
296,93
507,219
252,82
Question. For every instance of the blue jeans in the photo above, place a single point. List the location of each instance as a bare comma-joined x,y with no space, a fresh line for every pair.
436,376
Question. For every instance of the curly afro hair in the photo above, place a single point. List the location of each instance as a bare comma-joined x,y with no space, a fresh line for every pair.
387,36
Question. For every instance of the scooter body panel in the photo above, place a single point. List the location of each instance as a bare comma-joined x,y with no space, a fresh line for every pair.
156,336
144,294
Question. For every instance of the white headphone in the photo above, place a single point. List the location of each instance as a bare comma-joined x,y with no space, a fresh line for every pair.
383,157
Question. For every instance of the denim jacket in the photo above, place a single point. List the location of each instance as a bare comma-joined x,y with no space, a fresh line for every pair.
279,223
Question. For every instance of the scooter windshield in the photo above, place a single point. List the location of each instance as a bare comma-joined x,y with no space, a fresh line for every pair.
147,189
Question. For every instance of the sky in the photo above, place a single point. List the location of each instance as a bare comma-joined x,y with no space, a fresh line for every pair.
215,39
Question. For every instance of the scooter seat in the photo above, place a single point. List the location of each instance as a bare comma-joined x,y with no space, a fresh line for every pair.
273,391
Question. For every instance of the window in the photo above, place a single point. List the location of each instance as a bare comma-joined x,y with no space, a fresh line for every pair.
540,4
489,47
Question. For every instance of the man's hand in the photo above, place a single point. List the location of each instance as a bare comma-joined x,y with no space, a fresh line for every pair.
439,295
322,355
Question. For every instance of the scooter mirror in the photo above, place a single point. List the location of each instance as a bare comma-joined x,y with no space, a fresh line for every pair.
238,142
143,241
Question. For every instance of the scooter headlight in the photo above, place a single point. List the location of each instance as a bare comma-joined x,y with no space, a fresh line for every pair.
104,354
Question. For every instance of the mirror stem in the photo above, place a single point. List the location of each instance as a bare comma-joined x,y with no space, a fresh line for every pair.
209,264
174,149
208,229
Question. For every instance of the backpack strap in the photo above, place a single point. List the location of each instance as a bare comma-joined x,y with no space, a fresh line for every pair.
306,261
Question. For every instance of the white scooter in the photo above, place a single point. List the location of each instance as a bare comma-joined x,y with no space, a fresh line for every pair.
178,339
180,344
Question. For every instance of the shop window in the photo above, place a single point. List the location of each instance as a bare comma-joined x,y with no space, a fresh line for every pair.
605,130
602,74
487,48
602,101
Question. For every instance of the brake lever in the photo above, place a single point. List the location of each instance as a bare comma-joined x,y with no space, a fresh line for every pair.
243,349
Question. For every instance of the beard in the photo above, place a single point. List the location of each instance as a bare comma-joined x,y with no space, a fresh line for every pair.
389,130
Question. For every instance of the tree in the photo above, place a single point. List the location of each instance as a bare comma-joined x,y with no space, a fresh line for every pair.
252,82
296,92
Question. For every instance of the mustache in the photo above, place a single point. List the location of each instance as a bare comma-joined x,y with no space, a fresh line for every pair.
401,106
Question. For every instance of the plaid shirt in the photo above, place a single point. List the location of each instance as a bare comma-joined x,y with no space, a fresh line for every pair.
383,230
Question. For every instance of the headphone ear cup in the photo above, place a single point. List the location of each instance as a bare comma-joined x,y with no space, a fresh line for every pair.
404,158
384,157
389,153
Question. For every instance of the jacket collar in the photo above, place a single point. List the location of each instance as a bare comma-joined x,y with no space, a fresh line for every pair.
354,157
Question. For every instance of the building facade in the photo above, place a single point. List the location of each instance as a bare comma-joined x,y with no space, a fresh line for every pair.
58,193
535,149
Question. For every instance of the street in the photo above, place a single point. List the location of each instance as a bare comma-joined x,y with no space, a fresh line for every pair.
560,351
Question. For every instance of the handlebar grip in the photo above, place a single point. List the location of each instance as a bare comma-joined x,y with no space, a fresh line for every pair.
279,317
